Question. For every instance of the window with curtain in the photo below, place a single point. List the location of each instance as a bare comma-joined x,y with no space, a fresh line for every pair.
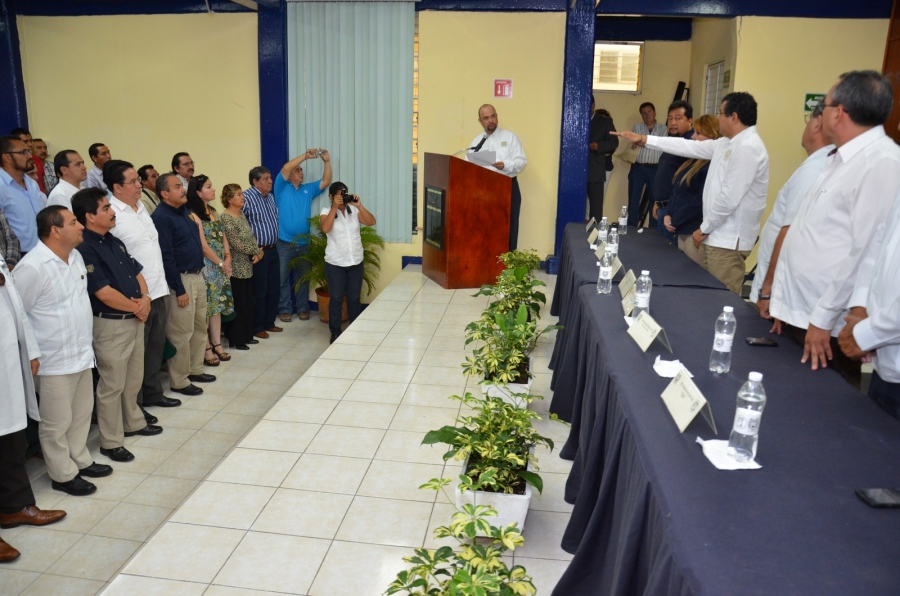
350,90
617,66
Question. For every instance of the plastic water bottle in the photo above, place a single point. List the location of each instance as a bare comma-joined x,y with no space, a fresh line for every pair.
604,281
751,399
603,228
642,294
612,241
720,358
623,220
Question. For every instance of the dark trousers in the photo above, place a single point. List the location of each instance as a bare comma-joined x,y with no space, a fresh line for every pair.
595,199
343,281
638,177
886,395
851,370
154,346
15,489
266,289
239,330
514,210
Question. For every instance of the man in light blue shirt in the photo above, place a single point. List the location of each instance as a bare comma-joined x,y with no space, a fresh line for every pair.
99,155
294,200
20,197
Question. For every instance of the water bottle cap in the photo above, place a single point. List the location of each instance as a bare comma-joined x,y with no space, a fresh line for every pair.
603,218
608,248
756,377
728,309
645,272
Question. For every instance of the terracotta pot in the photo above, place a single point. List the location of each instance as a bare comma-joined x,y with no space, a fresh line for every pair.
324,299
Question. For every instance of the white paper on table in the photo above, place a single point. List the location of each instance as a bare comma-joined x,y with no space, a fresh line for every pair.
630,322
482,158
717,454
669,368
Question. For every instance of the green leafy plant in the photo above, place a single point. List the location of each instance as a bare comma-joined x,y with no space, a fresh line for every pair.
316,242
497,439
506,340
473,568
515,287
527,258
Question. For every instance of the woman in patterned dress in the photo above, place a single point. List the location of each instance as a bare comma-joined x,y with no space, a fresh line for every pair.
217,265
246,252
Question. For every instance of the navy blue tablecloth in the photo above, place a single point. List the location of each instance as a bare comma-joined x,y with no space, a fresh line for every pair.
652,516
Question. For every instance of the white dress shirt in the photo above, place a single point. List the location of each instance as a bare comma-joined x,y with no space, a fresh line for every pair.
826,244
787,204
62,194
95,179
344,246
509,151
734,196
878,289
17,348
54,294
647,155
136,230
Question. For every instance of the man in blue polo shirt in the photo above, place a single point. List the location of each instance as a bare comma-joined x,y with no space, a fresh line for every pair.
294,200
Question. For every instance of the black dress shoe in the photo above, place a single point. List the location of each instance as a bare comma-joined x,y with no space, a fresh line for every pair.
204,378
334,336
117,454
241,347
189,390
147,431
252,341
163,402
150,418
96,470
77,486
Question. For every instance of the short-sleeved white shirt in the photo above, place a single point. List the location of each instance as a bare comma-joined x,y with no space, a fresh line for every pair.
344,247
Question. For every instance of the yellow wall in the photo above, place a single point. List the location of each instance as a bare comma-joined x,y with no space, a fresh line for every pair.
779,60
148,87
460,55
665,64
712,41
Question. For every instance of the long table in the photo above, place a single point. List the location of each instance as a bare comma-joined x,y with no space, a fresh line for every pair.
652,516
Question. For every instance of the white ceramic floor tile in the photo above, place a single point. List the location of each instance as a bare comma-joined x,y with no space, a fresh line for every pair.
543,535
224,505
40,548
94,557
81,514
255,466
327,473
274,562
234,424
133,585
301,409
405,446
346,351
277,435
161,491
202,551
303,513
60,585
353,569
436,396
360,338
184,464
399,480
381,371
335,369
376,391
397,355
386,521
210,443
423,418
440,375
319,387
545,573
364,415
130,521
346,441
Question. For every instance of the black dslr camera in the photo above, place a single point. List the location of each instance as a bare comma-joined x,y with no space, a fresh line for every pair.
348,198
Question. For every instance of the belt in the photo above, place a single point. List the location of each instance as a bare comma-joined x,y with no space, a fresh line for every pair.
648,165
192,272
269,247
115,316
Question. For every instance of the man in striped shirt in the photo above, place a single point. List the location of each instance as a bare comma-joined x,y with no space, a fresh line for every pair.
643,170
262,214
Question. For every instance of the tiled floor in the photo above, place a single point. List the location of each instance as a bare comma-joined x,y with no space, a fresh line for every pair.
320,496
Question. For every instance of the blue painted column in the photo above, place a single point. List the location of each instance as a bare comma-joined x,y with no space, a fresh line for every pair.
13,110
273,124
576,119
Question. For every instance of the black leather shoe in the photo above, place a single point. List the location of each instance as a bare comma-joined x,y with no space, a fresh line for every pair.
241,347
77,487
252,341
204,378
150,418
163,402
334,336
117,454
96,470
147,431
189,390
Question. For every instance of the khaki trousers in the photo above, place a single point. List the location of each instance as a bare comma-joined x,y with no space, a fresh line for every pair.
66,405
686,245
119,349
186,329
728,266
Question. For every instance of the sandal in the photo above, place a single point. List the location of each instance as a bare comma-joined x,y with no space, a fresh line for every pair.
223,355
211,361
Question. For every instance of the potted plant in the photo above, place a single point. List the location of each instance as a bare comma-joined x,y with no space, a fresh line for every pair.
316,242
507,339
527,257
473,568
515,286
496,445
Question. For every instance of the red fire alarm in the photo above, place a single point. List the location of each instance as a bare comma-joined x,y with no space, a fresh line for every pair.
503,88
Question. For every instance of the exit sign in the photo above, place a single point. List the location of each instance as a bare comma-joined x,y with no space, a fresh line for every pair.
503,88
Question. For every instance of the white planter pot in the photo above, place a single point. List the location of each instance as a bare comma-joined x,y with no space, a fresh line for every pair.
506,391
509,508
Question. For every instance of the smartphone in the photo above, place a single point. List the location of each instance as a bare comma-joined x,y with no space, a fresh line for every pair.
765,342
880,497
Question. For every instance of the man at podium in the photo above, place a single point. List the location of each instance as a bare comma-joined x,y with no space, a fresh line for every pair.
509,159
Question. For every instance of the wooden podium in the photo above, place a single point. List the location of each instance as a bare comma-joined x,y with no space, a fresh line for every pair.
466,222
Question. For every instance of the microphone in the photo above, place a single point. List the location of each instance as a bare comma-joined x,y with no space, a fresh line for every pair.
475,148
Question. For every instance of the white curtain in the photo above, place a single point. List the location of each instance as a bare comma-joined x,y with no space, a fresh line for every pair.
350,90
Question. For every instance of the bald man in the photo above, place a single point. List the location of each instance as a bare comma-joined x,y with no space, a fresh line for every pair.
510,161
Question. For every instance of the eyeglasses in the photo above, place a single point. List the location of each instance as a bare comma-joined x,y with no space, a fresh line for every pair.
831,105
22,152
135,182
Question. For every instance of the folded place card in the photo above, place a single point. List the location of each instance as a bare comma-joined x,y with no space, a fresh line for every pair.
645,330
593,236
617,265
590,224
626,283
601,248
684,401
628,304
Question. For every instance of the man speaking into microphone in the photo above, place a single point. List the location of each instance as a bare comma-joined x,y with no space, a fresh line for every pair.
510,160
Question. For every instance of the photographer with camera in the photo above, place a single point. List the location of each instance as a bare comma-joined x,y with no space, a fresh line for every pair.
343,253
